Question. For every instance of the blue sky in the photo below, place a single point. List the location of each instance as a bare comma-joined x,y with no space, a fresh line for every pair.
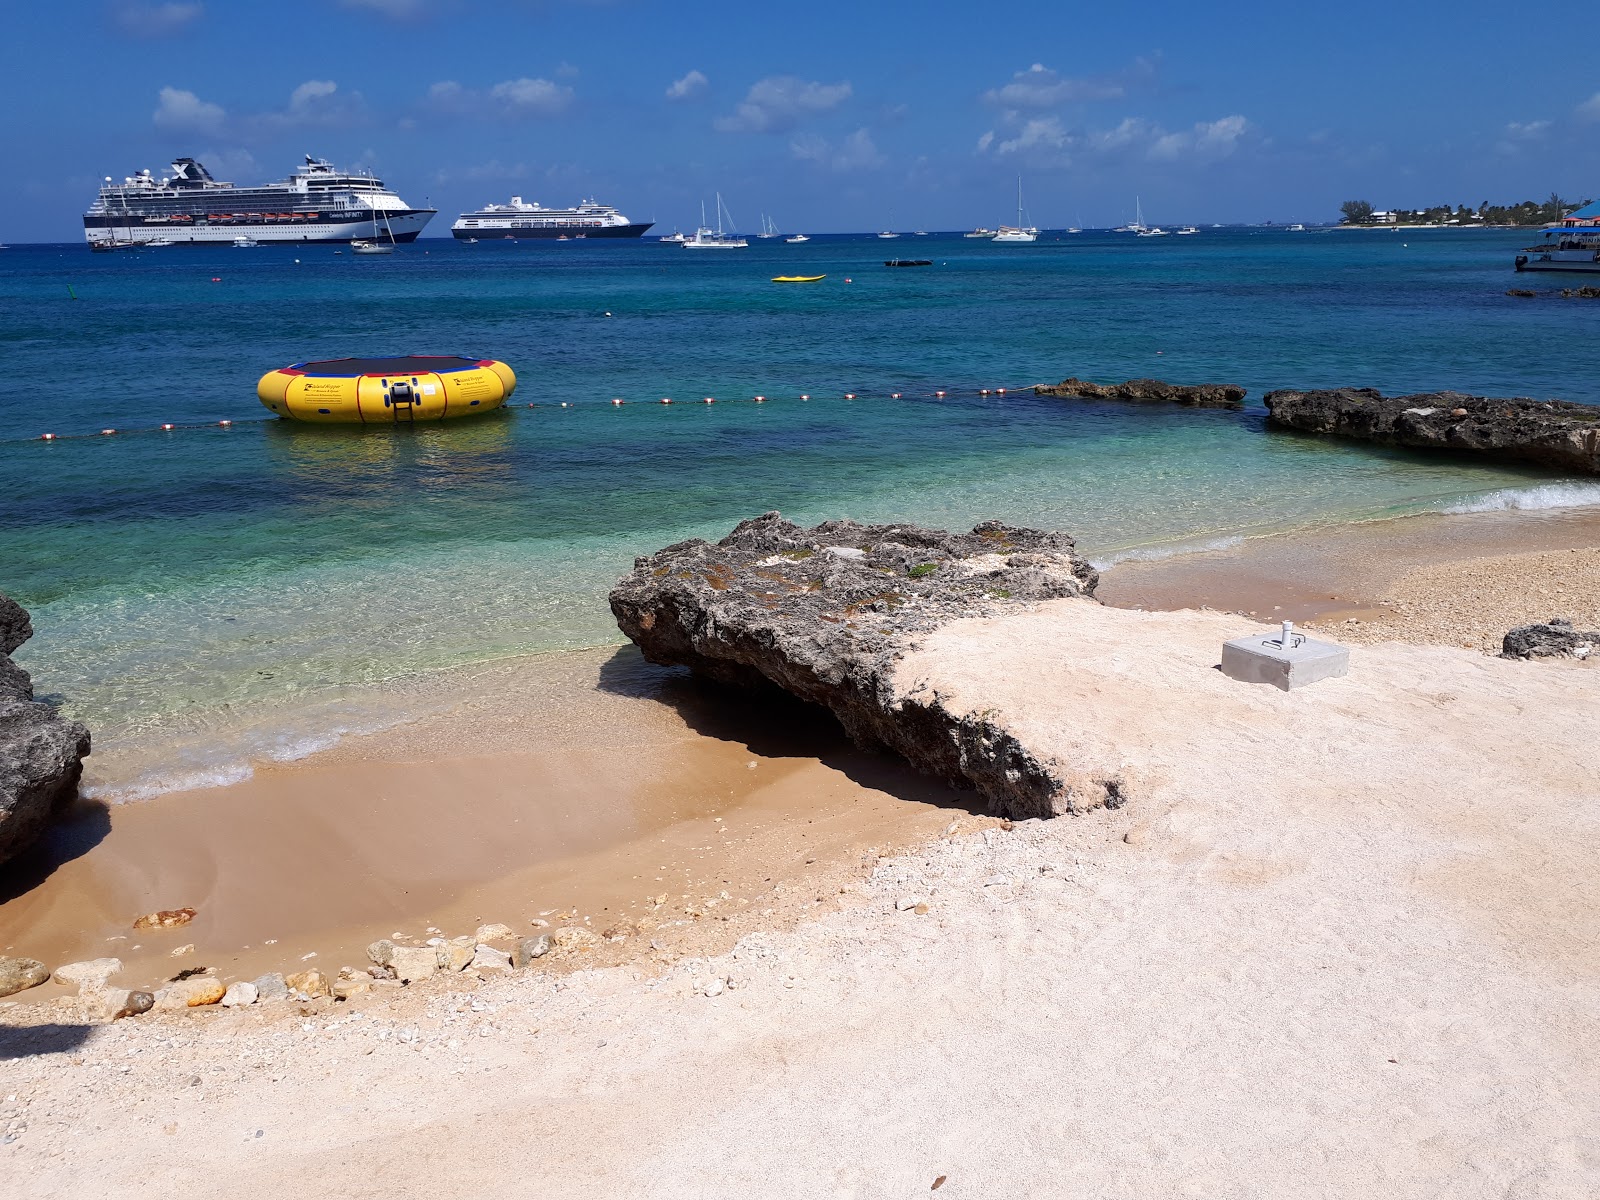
829,116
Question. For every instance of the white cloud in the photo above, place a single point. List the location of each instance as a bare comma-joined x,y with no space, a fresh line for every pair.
1589,110
1527,131
1047,141
399,9
154,20
776,104
316,102
691,85
1207,140
179,109
857,152
512,98
1040,87
533,97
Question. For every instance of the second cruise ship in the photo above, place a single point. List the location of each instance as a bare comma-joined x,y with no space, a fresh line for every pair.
520,219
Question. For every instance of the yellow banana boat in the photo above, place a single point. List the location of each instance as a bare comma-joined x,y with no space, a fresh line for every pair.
387,391
798,278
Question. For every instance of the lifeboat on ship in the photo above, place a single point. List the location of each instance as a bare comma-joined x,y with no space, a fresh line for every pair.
387,391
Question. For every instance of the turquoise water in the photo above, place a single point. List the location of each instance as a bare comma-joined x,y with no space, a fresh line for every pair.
249,589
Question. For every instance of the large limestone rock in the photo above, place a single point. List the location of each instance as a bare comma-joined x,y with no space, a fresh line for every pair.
41,753
1148,391
825,613
1553,433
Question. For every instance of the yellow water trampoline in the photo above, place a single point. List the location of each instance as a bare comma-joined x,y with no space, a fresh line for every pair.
387,391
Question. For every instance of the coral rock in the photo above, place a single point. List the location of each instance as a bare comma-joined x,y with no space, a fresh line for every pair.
825,613
19,974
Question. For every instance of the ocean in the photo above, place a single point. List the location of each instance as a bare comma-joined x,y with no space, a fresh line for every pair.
217,594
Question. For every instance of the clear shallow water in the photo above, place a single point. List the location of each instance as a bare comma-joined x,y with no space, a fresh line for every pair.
250,590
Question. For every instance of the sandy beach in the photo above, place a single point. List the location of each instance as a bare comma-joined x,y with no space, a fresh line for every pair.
1338,943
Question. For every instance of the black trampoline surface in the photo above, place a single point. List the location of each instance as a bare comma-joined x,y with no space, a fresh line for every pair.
410,364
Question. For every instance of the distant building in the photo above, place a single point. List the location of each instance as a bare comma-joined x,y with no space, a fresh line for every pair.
1383,218
1587,217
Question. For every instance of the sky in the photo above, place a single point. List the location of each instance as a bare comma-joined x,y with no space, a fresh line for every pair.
827,116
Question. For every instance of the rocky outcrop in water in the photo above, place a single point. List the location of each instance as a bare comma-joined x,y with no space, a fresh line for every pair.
41,754
1149,391
824,614
1555,638
1553,433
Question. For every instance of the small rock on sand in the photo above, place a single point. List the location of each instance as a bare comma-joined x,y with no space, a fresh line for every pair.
487,958
411,963
711,987
575,939
312,983
455,954
166,918
271,986
239,994
132,1004
495,933
529,949
194,992
19,974
89,975
351,984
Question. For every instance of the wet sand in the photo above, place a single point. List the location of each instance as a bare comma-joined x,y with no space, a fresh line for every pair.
593,789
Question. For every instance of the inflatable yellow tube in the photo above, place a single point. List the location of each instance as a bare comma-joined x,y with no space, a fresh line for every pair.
387,391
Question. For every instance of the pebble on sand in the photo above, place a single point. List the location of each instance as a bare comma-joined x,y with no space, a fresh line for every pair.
19,974
89,975
311,984
495,933
239,994
194,992
271,986
166,918
529,949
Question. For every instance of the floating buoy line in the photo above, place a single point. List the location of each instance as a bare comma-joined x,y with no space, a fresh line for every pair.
614,402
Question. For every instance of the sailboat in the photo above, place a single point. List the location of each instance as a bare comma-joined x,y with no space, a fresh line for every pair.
372,245
714,239
1018,232
1140,229
768,229
1138,225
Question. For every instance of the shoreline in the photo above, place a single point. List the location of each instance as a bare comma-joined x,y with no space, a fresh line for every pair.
582,786
1372,966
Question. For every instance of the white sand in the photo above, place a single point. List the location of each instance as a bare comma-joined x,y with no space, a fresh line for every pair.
1341,943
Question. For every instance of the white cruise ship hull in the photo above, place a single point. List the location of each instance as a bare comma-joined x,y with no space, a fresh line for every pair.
405,226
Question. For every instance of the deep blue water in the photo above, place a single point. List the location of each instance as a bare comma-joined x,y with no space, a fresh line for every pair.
215,577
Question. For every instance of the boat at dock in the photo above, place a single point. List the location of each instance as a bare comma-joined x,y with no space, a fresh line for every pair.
1572,245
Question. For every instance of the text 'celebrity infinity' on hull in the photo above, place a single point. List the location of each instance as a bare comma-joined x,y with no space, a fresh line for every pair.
522,220
315,204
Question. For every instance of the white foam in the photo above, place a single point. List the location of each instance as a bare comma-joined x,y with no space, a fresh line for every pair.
155,783
1154,553
1536,496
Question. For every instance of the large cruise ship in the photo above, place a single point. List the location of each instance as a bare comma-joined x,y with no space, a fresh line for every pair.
315,204
522,220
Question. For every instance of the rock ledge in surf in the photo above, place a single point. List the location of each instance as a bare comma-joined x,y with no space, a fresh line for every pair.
1149,391
825,613
1553,433
41,753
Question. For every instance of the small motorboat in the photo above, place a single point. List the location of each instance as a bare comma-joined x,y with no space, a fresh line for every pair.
908,262
798,278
